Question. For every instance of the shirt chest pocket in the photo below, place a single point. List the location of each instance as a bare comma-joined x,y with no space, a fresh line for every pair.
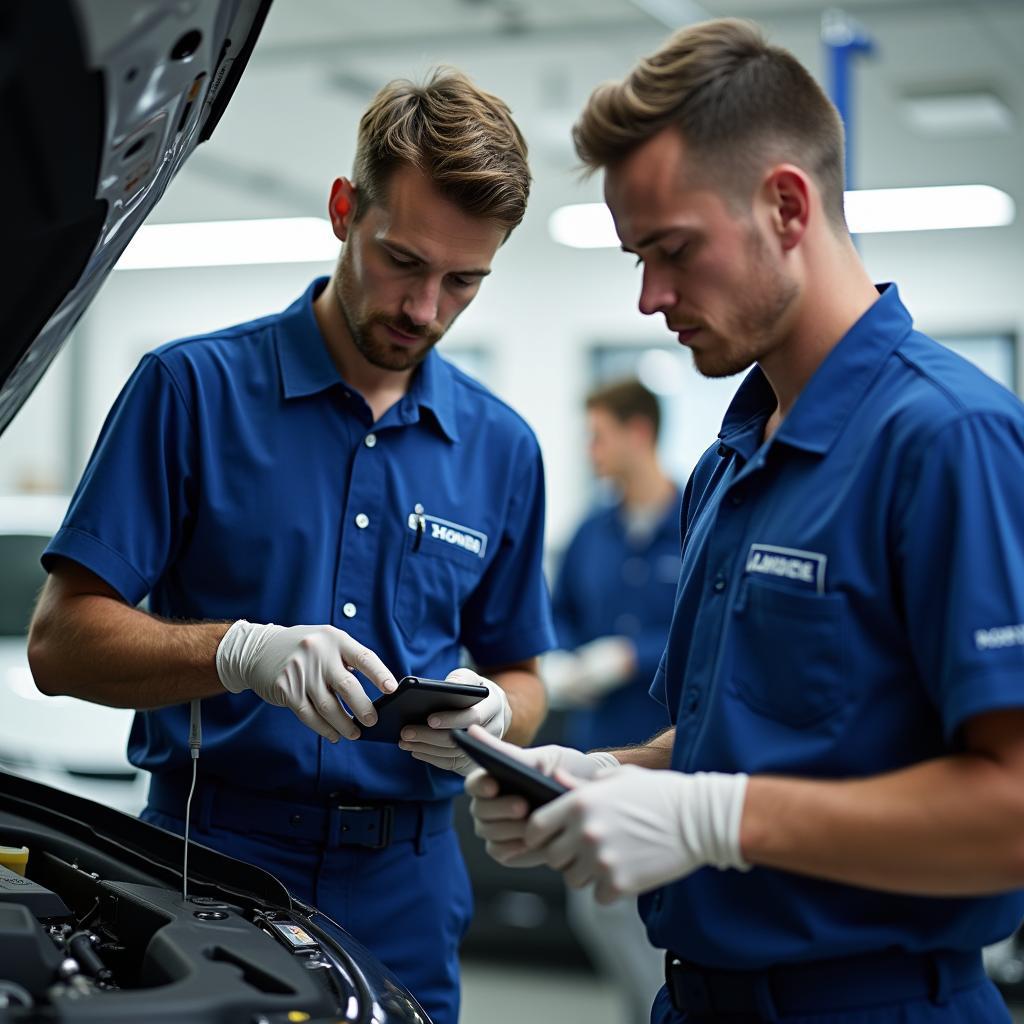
435,577
787,649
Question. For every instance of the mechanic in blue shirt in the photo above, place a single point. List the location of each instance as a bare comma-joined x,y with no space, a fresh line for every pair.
833,827
615,588
311,495
613,599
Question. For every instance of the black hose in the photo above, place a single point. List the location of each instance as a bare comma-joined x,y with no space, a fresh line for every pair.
80,946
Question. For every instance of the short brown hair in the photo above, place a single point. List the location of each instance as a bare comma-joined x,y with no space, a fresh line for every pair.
627,399
736,100
462,138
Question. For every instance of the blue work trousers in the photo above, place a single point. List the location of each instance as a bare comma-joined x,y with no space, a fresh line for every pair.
980,1004
409,904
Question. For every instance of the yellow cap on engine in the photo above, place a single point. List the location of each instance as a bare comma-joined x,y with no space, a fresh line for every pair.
15,858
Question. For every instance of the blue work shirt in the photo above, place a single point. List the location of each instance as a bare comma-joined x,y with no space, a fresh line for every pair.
612,584
238,476
852,592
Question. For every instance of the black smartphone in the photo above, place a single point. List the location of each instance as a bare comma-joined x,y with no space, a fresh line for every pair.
414,700
513,777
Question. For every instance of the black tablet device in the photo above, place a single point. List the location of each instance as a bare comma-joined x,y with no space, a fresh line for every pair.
513,777
414,700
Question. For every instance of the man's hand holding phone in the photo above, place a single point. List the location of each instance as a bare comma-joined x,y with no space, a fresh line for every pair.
308,669
501,819
433,741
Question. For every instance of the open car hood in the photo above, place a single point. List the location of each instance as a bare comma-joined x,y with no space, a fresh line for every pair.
101,102
104,889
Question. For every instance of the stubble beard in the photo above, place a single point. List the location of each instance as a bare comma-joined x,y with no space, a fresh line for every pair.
382,354
753,331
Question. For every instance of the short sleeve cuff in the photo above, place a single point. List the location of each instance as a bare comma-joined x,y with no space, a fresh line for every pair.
528,643
657,690
997,690
95,556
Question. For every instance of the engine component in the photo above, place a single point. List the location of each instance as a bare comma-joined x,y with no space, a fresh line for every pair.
39,900
27,953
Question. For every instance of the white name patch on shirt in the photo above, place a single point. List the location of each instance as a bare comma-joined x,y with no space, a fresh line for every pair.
998,637
447,532
805,567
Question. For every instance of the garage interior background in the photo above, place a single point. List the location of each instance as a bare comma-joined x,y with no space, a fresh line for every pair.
533,331
939,102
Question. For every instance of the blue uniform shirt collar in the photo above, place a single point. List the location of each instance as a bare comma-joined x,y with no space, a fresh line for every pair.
307,367
432,389
833,392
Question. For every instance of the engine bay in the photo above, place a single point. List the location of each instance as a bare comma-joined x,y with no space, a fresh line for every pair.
96,929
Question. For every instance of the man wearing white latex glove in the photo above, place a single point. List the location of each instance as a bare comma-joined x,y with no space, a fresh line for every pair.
303,481
582,677
633,829
502,820
433,742
849,618
307,669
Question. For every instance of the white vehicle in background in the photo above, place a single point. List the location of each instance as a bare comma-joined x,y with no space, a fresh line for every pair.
67,743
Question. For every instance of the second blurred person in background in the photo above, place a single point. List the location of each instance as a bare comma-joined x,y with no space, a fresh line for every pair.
613,600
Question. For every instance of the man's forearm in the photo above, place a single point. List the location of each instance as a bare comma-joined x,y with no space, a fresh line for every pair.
526,698
655,753
99,649
948,827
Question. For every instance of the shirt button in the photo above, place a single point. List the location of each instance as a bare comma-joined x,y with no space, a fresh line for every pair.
370,440
362,520
691,701
348,610
735,499
719,584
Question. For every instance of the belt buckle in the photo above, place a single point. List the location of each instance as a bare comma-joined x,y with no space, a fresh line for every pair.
383,826
688,989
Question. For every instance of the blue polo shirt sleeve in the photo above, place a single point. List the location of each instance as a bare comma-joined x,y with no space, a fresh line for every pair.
508,616
659,686
657,690
131,509
961,544
650,646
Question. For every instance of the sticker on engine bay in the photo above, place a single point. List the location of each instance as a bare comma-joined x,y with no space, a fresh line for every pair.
294,935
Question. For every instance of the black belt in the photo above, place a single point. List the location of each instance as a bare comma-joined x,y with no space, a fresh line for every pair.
819,986
340,820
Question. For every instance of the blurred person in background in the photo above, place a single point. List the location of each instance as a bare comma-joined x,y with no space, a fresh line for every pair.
613,599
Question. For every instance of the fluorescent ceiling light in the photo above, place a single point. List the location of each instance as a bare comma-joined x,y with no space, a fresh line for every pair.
219,243
583,226
590,226
927,209
966,113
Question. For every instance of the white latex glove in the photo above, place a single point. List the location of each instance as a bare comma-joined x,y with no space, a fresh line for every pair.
502,820
582,677
305,668
433,741
635,829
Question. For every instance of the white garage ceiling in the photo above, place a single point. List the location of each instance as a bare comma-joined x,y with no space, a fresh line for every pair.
290,127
